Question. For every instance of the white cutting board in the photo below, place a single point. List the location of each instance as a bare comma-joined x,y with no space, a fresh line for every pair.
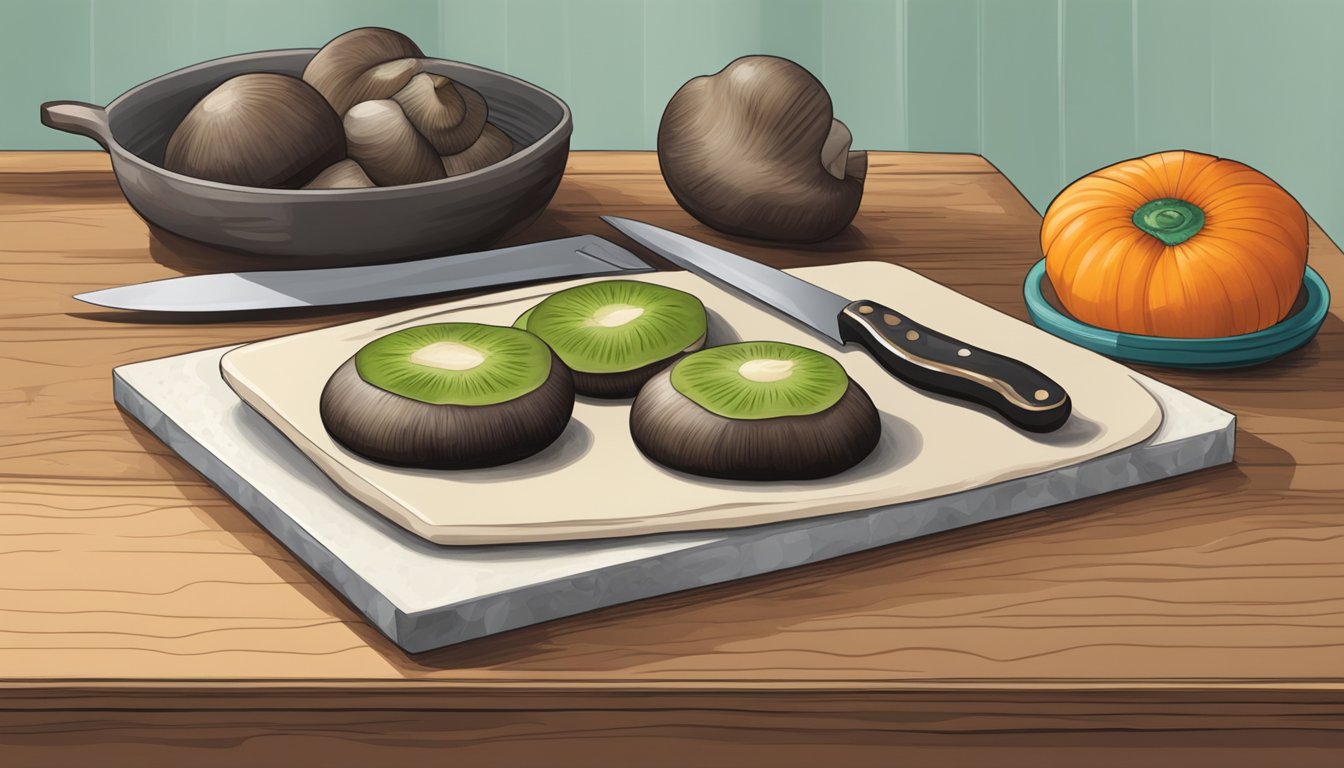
424,596
593,483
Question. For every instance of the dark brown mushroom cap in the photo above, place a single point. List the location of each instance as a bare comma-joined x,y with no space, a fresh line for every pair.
742,151
398,430
622,384
356,67
345,174
383,80
491,147
674,431
385,144
257,130
450,115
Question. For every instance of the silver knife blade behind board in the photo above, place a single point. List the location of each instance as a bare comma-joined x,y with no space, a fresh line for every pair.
581,256
795,297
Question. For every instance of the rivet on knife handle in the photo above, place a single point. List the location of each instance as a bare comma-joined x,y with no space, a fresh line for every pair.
938,363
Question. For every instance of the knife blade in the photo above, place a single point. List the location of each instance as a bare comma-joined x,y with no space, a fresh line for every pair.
581,256
916,354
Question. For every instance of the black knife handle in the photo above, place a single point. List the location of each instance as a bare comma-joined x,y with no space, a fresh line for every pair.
938,363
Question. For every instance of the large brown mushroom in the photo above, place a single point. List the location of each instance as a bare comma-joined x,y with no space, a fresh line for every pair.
363,64
757,410
363,93
403,125
449,396
345,174
449,115
257,130
387,146
754,150
490,148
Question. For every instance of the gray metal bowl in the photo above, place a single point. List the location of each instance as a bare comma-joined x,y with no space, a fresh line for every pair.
331,227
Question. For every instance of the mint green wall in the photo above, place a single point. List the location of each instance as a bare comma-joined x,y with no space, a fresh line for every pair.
1046,89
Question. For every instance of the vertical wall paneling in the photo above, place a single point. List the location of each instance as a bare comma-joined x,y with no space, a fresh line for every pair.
1173,74
1045,89
129,49
538,39
238,26
606,63
1098,84
679,44
863,67
1020,95
792,29
474,32
1251,41
1278,97
45,55
688,38
942,61
737,27
135,40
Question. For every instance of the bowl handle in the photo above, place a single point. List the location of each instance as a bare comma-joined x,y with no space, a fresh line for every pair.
78,118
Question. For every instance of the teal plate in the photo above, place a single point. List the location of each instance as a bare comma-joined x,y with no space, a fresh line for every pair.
1221,352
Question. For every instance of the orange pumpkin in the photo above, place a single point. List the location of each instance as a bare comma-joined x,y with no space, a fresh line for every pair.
1176,244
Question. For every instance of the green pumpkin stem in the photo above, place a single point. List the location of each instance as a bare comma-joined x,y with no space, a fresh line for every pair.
1170,220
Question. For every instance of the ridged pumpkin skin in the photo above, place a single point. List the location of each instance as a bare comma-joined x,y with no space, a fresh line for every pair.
1238,273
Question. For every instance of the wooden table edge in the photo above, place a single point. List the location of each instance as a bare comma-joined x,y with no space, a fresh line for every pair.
1305,689
1302,708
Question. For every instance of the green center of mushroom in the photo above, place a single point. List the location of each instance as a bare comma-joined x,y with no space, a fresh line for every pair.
455,363
615,315
759,380
766,370
448,356
615,326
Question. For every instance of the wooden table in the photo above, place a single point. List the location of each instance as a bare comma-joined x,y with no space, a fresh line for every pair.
142,614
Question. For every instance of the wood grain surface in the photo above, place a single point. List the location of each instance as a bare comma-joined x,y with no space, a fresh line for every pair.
1205,611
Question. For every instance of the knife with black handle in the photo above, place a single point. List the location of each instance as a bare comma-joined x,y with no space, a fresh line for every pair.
916,354
938,363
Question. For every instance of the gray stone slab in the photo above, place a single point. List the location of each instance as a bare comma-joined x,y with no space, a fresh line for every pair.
425,596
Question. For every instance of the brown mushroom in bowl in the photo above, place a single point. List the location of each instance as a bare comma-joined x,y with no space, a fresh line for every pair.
363,64
257,130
